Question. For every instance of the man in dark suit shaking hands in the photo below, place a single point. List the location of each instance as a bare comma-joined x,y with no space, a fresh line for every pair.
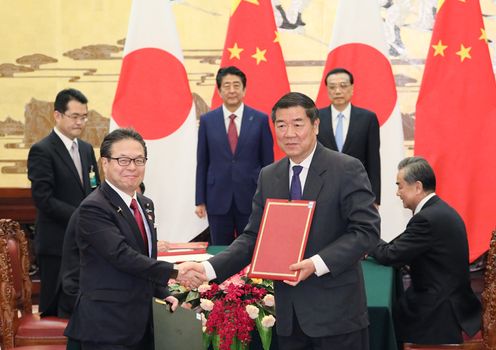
234,143
349,129
117,240
440,303
326,308
63,170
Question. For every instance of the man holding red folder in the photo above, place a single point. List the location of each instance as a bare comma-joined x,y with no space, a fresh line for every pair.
326,307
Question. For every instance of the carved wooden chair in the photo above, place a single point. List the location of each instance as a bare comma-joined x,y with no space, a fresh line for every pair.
20,327
489,298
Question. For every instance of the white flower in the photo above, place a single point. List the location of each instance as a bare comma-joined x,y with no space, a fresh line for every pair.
203,319
252,311
204,329
203,288
206,304
268,321
269,300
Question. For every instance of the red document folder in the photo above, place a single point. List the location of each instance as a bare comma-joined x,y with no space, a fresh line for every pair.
282,239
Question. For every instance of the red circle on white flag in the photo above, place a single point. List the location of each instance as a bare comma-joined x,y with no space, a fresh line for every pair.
153,94
375,88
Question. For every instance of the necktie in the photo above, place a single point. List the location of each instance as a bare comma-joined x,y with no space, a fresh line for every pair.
339,132
139,221
295,183
232,133
77,159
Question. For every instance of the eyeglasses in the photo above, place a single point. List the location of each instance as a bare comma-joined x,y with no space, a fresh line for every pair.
342,86
125,161
75,117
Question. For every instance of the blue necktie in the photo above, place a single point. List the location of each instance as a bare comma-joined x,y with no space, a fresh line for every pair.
339,132
295,183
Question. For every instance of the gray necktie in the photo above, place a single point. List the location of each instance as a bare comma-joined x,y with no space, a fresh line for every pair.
77,159
339,132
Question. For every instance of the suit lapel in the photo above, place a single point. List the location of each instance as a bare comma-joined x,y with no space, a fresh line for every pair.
61,150
281,180
150,220
84,166
328,129
246,124
220,126
314,182
126,214
352,127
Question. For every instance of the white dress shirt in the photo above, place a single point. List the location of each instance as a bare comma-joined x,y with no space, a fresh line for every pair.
67,141
237,121
422,202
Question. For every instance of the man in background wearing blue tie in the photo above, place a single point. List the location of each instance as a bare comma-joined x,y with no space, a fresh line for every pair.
349,129
234,143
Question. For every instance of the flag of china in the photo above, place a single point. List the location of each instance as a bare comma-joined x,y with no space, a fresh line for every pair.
455,123
253,45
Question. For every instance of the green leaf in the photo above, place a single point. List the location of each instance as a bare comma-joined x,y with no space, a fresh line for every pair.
264,332
207,340
192,296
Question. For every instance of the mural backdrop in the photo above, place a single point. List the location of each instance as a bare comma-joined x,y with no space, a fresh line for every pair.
48,46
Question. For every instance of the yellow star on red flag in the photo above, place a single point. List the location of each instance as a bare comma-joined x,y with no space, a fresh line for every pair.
483,35
464,52
259,55
235,51
439,48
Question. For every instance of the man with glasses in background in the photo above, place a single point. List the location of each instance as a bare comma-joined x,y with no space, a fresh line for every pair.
349,129
63,171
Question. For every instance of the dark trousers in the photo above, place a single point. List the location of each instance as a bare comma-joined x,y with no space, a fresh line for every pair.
49,273
298,340
146,343
225,228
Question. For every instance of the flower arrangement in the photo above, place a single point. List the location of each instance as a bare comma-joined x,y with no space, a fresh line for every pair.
231,310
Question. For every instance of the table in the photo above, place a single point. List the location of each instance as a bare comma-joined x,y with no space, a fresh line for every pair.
380,290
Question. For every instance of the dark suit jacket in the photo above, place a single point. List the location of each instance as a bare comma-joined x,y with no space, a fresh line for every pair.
117,278
56,188
222,176
440,299
345,226
362,141
68,285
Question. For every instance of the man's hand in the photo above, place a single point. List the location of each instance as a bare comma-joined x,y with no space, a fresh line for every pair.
163,246
191,274
201,211
306,268
174,302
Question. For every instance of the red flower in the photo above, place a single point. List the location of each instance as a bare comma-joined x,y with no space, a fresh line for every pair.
228,317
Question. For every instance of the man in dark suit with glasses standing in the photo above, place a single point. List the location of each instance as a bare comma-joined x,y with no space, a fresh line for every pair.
63,170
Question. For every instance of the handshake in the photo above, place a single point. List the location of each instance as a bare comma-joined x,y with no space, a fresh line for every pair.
191,274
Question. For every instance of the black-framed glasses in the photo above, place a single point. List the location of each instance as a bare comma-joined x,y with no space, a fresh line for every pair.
77,117
125,161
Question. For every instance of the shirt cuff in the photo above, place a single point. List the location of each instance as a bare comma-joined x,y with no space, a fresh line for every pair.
320,266
209,270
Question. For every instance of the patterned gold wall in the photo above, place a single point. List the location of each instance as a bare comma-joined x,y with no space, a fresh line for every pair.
48,45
